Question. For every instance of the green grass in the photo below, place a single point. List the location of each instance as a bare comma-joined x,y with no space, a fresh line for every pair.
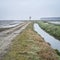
57,52
52,29
30,46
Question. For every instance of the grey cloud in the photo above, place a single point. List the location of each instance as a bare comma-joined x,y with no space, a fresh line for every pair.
22,9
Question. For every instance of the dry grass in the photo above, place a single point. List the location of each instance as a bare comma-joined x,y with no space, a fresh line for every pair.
30,46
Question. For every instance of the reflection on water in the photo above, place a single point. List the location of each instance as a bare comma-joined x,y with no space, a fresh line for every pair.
55,22
48,38
9,23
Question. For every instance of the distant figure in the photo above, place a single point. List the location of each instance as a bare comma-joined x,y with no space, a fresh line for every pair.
30,18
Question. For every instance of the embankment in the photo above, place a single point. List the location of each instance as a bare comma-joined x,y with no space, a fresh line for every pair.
30,46
52,29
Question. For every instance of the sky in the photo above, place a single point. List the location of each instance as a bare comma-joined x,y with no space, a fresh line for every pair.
22,9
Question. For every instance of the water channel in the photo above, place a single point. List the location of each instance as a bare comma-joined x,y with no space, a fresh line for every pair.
55,44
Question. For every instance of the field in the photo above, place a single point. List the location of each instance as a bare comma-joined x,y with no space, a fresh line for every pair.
30,46
52,29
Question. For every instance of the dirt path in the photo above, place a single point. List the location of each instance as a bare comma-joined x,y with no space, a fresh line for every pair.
7,36
30,46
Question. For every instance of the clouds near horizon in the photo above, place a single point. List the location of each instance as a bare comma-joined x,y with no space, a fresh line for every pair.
22,9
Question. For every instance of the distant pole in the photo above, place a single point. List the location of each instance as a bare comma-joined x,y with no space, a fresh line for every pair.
30,18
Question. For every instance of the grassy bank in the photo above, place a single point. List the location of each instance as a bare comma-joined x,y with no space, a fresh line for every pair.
52,29
30,46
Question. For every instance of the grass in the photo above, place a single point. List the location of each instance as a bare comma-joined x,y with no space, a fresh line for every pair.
57,52
30,46
52,29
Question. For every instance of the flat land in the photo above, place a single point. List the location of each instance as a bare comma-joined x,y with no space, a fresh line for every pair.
28,45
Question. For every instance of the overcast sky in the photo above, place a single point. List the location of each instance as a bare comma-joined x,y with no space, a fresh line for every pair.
22,9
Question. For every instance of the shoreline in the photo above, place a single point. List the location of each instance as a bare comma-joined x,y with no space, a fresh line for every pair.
9,27
5,40
50,28
30,45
